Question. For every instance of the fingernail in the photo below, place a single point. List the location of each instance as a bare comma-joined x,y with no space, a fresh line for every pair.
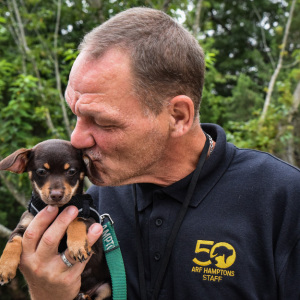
96,228
71,210
51,208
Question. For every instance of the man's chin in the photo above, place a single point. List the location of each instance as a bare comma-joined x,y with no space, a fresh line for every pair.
96,181
107,182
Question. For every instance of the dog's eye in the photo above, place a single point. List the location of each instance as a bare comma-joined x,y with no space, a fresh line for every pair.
71,172
41,172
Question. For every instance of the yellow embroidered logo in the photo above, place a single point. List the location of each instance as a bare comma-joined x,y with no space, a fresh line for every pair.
211,255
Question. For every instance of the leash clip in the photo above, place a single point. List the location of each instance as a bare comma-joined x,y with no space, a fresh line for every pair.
102,217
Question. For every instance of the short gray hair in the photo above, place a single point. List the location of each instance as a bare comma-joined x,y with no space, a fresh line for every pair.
166,60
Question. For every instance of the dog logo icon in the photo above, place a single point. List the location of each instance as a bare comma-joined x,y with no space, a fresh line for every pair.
222,255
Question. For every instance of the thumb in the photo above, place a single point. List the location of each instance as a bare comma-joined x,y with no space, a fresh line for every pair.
94,233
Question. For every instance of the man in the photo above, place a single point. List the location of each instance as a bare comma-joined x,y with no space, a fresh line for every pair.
136,89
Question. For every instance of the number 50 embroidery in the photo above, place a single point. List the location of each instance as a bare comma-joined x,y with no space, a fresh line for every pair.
221,254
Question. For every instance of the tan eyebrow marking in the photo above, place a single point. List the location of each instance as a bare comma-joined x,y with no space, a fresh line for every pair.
66,166
47,166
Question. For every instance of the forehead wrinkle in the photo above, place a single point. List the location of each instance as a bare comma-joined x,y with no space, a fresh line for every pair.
78,98
71,97
96,109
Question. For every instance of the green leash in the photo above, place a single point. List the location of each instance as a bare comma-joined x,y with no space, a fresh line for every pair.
114,258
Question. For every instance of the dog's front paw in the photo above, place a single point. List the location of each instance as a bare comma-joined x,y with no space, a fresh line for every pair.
7,272
10,260
79,250
77,242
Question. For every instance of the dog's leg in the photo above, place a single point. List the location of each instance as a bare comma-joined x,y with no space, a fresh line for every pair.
103,292
11,255
10,259
77,241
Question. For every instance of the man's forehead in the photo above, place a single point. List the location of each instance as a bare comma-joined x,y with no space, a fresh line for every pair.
88,75
72,93
111,60
72,96
95,81
84,78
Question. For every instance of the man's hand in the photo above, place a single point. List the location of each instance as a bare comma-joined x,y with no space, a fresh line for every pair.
45,272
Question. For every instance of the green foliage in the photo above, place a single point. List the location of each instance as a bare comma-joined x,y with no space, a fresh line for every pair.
245,100
17,117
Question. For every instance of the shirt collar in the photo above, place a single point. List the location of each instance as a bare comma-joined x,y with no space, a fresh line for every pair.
213,169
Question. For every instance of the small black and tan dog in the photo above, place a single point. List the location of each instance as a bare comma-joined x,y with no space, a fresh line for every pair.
56,170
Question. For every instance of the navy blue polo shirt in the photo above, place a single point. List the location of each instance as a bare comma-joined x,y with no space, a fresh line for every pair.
239,238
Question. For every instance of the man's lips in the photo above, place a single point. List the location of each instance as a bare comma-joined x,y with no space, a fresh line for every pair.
92,172
86,160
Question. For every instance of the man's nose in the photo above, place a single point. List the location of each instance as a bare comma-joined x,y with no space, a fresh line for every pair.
81,137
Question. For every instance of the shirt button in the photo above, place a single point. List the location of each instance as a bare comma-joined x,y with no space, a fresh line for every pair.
158,222
157,256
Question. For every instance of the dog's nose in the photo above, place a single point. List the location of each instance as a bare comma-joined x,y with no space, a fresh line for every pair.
56,195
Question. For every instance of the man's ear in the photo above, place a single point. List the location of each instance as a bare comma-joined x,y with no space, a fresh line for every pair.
16,162
181,110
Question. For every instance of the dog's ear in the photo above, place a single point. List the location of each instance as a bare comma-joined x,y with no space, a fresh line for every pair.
16,162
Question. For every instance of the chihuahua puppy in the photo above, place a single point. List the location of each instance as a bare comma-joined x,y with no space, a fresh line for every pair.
56,171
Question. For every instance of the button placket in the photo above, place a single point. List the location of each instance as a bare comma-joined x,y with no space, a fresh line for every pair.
157,231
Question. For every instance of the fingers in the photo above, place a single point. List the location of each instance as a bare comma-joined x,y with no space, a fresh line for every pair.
37,227
43,268
52,236
94,233
43,239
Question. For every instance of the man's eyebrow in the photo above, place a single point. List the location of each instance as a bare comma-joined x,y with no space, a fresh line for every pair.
68,105
72,96
81,94
68,96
